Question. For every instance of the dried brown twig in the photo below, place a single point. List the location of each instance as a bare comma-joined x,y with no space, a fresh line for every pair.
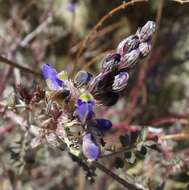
37,31
16,65
123,182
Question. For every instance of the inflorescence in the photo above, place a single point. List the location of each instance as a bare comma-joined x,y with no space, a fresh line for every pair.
72,103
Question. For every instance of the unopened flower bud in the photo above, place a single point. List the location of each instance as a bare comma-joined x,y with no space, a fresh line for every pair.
82,78
108,98
89,147
146,31
103,124
145,48
110,61
128,44
120,81
130,59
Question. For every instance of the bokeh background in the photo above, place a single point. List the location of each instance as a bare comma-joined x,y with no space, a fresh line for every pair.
33,32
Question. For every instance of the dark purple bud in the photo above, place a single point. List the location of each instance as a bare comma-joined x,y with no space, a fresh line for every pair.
128,44
110,61
120,81
145,48
90,148
103,124
129,59
82,78
108,98
102,83
146,31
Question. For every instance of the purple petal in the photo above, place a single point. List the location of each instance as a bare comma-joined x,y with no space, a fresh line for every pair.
90,149
50,75
84,110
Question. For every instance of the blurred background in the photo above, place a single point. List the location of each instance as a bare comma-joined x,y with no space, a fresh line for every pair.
33,32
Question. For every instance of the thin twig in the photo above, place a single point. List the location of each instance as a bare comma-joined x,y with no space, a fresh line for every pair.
117,152
37,31
101,33
171,119
123,6
92,61
123,182
16,65
181,1
176,137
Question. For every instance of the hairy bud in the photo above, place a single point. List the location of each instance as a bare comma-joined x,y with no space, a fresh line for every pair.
120,81
146,31
130,59
128,44
110,61
145,48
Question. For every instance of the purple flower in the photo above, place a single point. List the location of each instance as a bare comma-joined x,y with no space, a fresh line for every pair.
71,7
120,81
84,110
89,147
103,124
50,75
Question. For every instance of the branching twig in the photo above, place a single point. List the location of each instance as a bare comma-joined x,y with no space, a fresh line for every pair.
101,33
37,31
16,65
183,119
92,61
99,24
117,152
123,182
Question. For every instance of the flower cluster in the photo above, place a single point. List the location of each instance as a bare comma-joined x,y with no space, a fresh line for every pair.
115,66
72,102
